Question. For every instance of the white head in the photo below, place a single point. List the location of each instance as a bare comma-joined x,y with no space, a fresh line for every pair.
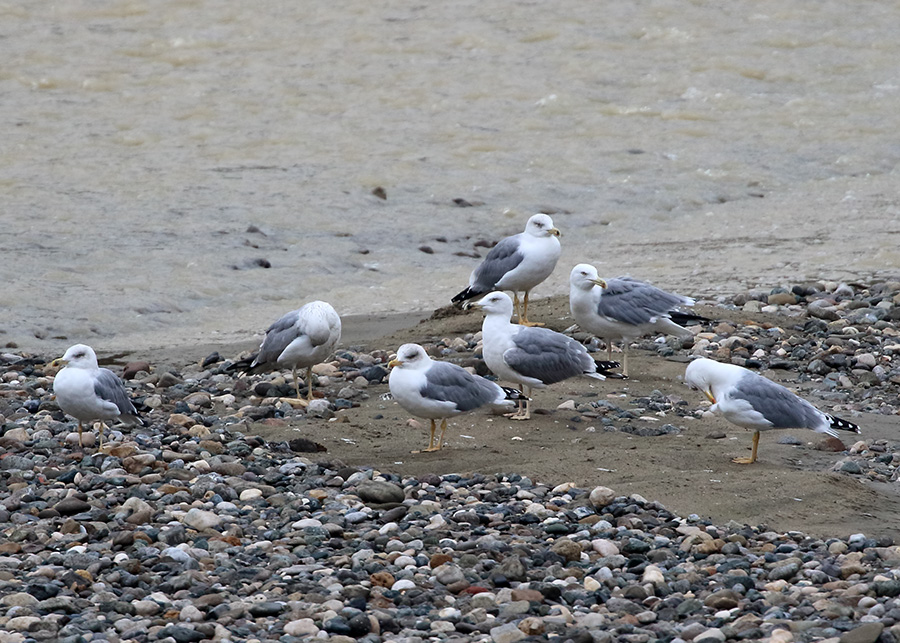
80,356
541,225
411,356
584,276
496,303
702,373
321,320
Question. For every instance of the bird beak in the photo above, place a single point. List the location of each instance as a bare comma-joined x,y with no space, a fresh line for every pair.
58,362
709,396
599,282
554,232
393,363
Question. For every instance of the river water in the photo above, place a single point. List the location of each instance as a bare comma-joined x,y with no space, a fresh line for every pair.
155,154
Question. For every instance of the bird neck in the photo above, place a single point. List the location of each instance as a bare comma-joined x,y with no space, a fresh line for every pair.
495,323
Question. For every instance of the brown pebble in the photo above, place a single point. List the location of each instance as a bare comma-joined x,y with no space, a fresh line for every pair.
530,595
382,579
831,444
439,559
133,368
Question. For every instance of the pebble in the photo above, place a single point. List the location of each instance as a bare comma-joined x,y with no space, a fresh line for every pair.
197,529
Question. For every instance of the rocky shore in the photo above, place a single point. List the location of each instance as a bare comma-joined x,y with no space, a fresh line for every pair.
235,515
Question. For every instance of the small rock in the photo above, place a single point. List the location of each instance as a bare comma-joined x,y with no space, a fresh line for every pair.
867,633
602,496
380,492
201,520
71,506
508,633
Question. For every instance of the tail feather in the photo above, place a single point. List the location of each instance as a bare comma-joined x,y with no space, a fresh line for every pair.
514,394
245,365
605,367
843,425
682,318
467,294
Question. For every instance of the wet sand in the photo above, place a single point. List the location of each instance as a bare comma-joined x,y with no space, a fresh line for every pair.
789,488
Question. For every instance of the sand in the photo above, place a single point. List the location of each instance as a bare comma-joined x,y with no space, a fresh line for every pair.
789,488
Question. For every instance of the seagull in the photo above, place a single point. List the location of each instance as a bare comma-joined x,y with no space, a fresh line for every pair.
624,308
750,400
438,390
87,392
532,357
517,263
300,339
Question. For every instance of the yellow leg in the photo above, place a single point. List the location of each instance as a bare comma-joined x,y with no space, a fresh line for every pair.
440,444
100,430
752,457
309,386
80,441
625,358
516,306
296,383
524,319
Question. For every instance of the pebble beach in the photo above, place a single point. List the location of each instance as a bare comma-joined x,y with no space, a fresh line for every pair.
235,515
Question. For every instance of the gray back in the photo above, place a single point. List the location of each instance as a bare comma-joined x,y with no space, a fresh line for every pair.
547,355
635,302
502,258
452,383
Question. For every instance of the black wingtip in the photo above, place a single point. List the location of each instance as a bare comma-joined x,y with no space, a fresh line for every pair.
465,296
514,394
684,319
605,368
241,365
843,425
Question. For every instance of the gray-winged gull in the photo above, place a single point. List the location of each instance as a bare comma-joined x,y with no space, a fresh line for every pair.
623,308
87,392
750,400
439,390
300,339
531,357
517,263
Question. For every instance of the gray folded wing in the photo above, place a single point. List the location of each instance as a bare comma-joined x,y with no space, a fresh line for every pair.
447,382
278,337
109,387
547,356
502,258
636,302
777,404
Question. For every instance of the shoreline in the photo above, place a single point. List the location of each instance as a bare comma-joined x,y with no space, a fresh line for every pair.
793,487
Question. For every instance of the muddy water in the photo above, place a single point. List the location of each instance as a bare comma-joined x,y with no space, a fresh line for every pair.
155,156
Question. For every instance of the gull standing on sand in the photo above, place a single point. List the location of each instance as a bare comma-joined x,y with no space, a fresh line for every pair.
624,308
438,390
531,357
300,339
750,400
87,392
517,263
